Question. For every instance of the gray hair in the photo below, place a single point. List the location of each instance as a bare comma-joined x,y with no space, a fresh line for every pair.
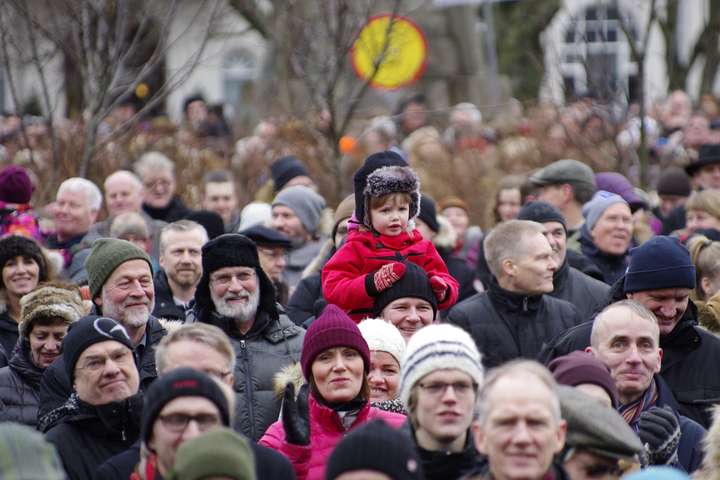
129,223
180,226
204,333
153,161
92,193
635,308
469,108
529,368
506,241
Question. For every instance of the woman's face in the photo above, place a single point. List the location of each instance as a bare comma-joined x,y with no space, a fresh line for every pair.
408,314
697,219
710,285
508,204
20,275
45,341
384,376
338,374
458,218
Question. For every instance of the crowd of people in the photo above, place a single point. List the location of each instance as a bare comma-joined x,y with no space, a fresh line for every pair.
396,334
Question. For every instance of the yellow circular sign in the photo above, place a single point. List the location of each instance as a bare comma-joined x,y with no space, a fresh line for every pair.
389,52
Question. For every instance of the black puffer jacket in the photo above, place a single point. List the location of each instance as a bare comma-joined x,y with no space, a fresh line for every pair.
55,387
611,266
587,294
688,351
269,345
165,307
507,325
306,300
441,465
92,434
19,386
8,333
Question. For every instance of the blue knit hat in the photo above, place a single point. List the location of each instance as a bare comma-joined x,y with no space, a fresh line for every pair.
661,262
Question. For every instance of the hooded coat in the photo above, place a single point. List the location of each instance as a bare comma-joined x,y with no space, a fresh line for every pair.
687,351
347,279
272,342
507,325
93,434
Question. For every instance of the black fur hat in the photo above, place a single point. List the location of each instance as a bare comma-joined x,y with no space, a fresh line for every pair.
372,163
393,179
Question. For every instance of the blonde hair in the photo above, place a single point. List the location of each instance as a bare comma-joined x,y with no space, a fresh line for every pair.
707,201
705,255
506,240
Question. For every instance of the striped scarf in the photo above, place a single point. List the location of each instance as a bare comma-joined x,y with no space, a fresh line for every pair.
631,412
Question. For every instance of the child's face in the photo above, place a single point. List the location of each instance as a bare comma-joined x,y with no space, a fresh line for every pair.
391,217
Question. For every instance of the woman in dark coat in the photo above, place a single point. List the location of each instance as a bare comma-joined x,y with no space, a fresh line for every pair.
46,314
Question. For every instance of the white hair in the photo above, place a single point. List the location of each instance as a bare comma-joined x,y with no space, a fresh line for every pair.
93,195
472,110
124,175
153,161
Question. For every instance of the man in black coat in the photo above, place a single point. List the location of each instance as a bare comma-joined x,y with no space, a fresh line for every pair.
586,293
515,317
99,361
181,261
121,287
660,277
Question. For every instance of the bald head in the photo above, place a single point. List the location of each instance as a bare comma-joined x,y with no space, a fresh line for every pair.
603,324
123,193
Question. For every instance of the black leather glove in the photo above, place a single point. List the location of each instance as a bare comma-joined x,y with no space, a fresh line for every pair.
295,416
660,434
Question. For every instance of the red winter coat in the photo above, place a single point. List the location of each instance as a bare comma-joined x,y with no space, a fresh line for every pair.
326,431
344,275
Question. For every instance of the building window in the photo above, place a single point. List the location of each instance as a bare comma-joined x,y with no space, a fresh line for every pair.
239,67
596,56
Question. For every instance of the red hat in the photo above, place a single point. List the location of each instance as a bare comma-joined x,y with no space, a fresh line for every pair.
15,185
333,328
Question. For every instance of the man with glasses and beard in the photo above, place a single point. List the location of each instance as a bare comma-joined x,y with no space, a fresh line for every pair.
236,295
121,288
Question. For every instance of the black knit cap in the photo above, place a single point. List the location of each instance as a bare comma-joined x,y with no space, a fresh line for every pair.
661,262
372,163
233,250
212,222
428,213
541,212
285,169
86,332
674,181
17,246
377,447
414,283
181,382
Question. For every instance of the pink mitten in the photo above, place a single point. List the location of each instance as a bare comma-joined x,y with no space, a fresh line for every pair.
387,275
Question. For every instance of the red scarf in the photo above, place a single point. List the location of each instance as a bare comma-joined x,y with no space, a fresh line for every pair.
149,470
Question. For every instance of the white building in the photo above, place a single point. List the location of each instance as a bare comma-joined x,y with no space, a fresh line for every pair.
586,49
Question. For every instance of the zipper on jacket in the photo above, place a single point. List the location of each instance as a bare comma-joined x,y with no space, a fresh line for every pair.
248,387
525,304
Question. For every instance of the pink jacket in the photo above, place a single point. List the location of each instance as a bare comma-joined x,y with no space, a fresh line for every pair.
326,431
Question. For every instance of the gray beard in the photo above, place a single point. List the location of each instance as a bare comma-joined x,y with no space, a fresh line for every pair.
240,313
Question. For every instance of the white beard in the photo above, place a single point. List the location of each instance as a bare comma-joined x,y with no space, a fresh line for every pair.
241,313
132,318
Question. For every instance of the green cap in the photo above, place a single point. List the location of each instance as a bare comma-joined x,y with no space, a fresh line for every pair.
107,254
218,453
595,427
564,171
25,454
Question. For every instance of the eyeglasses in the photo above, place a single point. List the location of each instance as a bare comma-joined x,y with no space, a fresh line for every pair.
437,389
157,183
225,279
119,357
274,254
178,422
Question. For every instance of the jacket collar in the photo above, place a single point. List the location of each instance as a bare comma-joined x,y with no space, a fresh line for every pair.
511,301
329,418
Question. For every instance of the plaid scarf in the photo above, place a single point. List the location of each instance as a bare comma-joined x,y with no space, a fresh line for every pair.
631,412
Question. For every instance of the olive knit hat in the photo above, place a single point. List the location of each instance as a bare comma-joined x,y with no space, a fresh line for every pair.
219,452
107,254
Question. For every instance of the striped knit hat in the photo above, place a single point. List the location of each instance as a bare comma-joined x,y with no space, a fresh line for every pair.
439,347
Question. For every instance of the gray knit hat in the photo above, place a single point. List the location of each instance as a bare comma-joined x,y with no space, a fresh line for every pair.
439,347
305,203
26,455
51,301
601,201
107,254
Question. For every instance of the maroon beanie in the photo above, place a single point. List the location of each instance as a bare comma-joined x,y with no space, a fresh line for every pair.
15,185
333,328
581,367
